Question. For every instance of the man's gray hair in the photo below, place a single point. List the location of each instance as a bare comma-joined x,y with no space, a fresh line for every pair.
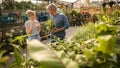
52,7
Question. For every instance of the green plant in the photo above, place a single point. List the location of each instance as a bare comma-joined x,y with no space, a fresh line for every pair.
3,59
49,58
21,60
50,24
103,29
44,30
85,33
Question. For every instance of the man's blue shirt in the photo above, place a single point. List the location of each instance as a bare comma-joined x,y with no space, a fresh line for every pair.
61,21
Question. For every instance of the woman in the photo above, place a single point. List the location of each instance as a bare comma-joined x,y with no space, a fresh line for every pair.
32,26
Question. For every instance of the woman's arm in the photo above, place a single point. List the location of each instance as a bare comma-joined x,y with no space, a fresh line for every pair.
29,28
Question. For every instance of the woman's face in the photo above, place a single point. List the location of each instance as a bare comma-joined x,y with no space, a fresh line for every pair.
33,15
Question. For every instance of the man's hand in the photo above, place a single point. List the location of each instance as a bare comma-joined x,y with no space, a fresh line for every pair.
55,30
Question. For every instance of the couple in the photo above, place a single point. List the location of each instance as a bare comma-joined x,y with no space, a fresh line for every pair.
60,20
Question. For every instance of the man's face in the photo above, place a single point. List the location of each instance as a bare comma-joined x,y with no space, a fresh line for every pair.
50,11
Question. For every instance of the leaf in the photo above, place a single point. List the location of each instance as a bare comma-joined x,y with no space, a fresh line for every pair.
20,39
17,47
13,64
88,53
43,54
60,54
1,53
50,24
113,29
72,65
18,58
107,43
102,27
103,10
117,48
4,59
51,64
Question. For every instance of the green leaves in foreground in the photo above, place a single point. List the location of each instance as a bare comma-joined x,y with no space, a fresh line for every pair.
47,57
44,55
103,29
106,44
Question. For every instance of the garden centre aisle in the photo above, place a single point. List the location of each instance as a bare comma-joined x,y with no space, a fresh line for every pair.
69,34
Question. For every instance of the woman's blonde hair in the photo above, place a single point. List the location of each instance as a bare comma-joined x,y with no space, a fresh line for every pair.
30,12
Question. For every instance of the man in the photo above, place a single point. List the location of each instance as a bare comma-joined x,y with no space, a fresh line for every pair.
60,21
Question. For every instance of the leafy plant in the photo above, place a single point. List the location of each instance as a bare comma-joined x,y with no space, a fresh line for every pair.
106,44
49,58
85,33
21,60
3,59
103,29
50,24
44,30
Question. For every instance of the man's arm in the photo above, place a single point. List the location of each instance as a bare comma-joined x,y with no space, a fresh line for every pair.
66,22
66,25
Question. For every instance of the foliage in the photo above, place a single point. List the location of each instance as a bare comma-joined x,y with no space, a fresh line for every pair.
100,50
12,42
47,57
75,17
7,4
85,33
3,59
103,29
11,4
106,44
21,60
93,46
44,30
74,13
96,56
110,18
50,24
69,49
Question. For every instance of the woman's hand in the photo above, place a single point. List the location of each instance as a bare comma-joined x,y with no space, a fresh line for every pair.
32,23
